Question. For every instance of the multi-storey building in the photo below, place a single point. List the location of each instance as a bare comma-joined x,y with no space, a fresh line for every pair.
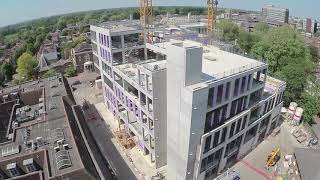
195,108
41,137
277,14
219,107
134,89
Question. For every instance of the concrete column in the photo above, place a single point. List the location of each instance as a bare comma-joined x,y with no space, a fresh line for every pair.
147,82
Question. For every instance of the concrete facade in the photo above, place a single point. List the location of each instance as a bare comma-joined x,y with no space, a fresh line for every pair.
220,106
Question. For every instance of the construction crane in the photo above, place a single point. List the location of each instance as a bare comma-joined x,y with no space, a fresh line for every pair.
146,16
273,158
212,14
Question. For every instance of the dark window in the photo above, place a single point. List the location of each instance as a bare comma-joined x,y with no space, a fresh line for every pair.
224,114
216,139
224,133
219,94
227,91
216,117
208,124
232,129
249,79
244,122
233,108
243,83
210,97
207,144
236,87
238,126
251,133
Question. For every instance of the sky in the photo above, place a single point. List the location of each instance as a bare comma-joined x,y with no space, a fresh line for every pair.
14,11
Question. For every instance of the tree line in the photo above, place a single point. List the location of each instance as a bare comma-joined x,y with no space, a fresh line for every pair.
288,57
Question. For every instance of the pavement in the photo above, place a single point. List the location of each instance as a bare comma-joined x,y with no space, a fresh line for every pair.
252,166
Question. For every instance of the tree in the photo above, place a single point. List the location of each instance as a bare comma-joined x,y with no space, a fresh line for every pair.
227,30
8,70
261,27
26,66
70,71
282,46
289,59
314,51
311,107
49,73
247,40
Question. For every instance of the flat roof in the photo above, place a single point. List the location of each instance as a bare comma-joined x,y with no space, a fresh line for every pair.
121,26
42,128
215,62
219,63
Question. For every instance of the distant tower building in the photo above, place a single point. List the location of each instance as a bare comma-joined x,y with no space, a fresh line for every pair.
272,13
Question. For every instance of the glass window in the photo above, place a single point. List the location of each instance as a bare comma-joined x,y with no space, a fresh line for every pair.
210,97
224,133
227,91
236,87
232,129
219,94
216,139
207,144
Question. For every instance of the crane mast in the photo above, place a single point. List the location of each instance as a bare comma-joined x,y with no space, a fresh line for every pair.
212,14
146,17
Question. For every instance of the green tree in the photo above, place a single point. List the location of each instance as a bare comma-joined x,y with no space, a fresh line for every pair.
26,66
227,30
289,59
314,51
261,27
70,71
49,73
247,40
311,106
280,47
8,70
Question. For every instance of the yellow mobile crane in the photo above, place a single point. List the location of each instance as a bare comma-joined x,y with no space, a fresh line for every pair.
273,158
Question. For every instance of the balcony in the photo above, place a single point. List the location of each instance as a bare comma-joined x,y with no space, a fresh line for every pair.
256,84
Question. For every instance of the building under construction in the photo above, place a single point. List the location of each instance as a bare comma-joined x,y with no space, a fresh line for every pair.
190,106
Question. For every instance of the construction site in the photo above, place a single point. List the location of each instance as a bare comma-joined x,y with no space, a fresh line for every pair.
177,104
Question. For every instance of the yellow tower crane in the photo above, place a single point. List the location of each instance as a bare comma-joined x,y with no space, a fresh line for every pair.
146,16
212,14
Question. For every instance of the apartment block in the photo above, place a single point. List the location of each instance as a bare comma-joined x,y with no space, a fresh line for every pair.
134,87
275,14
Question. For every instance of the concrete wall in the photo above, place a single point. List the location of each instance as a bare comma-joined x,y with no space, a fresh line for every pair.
159,82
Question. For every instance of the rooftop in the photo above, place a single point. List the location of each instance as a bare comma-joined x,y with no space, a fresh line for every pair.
215,62
41,124
121,26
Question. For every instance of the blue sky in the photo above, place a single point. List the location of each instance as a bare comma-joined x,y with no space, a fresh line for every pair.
13,11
